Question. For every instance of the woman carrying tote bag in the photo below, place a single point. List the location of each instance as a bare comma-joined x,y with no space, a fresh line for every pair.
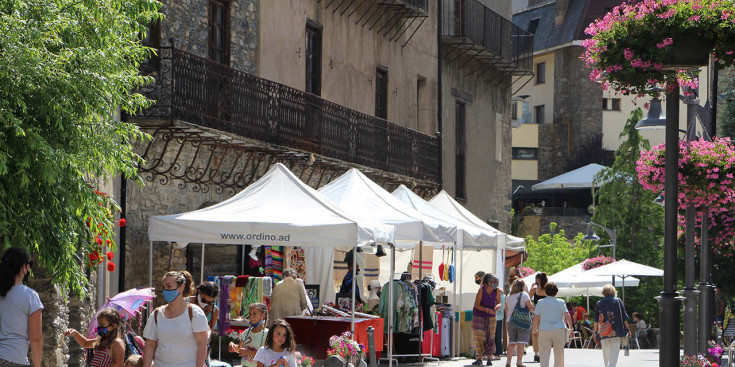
518,302
612,325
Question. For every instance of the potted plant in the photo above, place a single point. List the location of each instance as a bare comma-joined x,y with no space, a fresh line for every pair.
636,47
343,346
596,262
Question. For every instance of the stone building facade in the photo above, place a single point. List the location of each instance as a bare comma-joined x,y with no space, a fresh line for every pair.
360,45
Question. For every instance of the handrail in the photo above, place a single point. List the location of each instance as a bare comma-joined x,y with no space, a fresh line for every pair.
472,20
203,92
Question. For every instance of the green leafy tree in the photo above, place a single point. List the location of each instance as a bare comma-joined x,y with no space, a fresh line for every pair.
68,65
623,204
553,252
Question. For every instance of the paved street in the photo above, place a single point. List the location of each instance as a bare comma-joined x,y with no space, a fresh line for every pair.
574,358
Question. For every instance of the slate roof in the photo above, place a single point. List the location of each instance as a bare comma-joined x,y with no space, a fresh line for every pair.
580,13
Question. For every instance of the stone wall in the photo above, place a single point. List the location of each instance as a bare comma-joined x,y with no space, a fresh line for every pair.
554,149
54,319
487,137
571,225
187,21
577,113
536,225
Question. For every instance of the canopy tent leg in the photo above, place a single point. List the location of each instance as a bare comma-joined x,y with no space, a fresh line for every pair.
201,270
391,304
354,284
458,329
150,263
588,299
242,260
457,278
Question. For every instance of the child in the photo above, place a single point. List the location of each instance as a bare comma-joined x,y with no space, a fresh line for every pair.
279,347
134,361
254,337
109,348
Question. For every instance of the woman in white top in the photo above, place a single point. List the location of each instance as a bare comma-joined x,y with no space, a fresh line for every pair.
176,334
20,312
551,322
517,337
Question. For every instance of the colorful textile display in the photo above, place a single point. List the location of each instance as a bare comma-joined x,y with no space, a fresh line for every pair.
277,262
224,304
296,260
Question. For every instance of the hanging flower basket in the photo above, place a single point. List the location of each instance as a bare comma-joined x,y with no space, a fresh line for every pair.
706,170
639,46
706,180
596,262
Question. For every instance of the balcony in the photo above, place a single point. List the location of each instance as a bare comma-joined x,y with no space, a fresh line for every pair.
202,93
391,19
472,32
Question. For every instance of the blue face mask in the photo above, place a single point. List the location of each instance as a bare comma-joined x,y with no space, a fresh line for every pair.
170,295
102,331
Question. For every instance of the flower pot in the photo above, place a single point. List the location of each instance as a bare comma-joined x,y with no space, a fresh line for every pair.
688,51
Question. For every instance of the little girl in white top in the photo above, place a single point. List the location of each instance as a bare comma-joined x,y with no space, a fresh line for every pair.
279,347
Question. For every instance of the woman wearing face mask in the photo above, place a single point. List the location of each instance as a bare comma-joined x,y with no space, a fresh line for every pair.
108,347
207,292
20,312
176,334
487,302
478,277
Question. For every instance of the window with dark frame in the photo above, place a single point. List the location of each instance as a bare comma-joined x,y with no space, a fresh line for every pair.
313,58
533,25
539,111
541,73
219,31
381,93
611,104
524,153
461,146
152,38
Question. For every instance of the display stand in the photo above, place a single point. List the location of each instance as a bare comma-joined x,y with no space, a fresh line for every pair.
424,356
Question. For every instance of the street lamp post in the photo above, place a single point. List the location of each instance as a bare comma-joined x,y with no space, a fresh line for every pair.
669,301
591,236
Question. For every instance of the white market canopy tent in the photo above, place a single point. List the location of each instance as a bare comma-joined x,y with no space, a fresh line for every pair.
625,268
444,202
356,193
278,209
467,233
580,178
574,280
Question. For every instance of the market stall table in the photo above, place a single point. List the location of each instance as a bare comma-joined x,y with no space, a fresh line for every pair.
313,332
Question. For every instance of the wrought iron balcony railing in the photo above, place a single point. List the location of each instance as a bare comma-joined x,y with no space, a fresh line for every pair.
470,28
203,92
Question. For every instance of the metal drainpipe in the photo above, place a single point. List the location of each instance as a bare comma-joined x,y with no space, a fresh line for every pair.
121,242
439,86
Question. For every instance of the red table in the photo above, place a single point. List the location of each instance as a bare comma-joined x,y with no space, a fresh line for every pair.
313,332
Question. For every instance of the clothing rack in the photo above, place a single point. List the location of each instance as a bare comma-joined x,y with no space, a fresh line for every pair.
424,357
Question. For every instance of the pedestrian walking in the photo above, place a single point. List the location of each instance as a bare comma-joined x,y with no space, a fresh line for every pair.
487,302
538,293
612,325
177,333
499,329
517,336
551,323
20,312
108,348
207,293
